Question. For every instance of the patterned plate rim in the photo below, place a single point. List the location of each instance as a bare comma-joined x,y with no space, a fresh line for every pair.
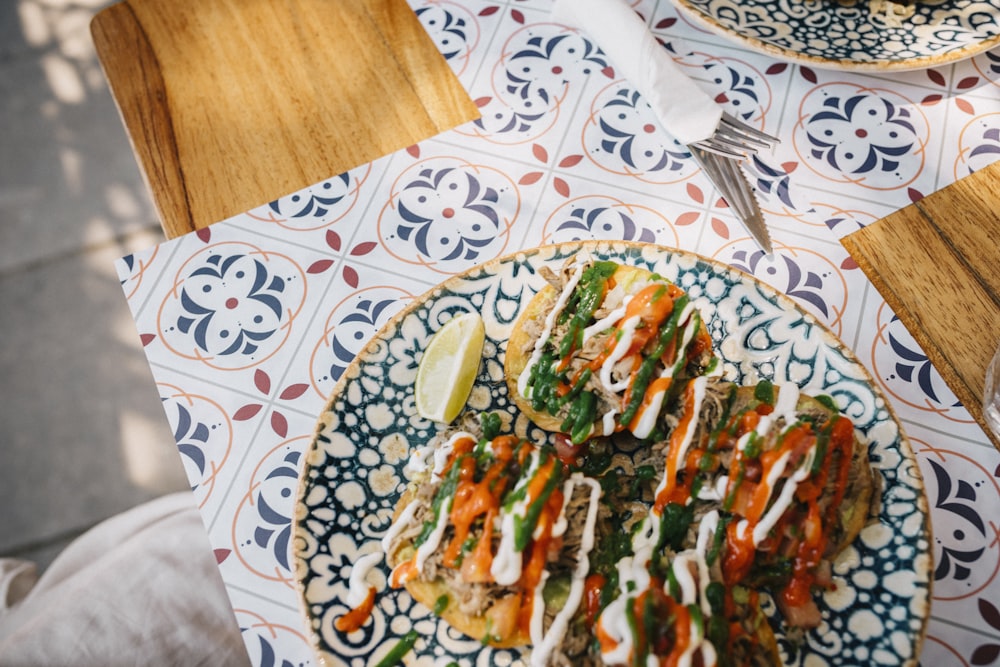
871,66
620,250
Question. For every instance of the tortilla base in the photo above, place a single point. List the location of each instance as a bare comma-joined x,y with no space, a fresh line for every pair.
428,593
521,344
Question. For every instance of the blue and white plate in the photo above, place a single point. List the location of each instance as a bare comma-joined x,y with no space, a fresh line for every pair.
354,470
848,35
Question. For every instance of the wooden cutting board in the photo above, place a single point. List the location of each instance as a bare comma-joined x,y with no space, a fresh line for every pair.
231,104
937,265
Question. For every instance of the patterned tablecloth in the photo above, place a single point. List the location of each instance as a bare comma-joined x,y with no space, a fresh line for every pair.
248,324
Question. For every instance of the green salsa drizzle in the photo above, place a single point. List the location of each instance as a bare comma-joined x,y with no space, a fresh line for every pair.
764,392
544,378
828,401
674,524
396,653
544,383
822,444
717,539
595,462
523,528
720,426
580,419
633,628
673,587
697,618
491,425
645,374
447,490
727,504
584,301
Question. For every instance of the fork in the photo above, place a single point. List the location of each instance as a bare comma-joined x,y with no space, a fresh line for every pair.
724,172
716,139
735,139
719,156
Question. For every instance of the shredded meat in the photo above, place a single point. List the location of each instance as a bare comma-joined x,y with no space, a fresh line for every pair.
551,278
476,599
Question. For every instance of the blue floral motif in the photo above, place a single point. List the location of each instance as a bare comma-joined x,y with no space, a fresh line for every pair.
449,214
602,222
355,329
316,206
531,71
534,79
913,366
191,437
315,201
861,133
266,655
994,61
449,32
630,133
273,495
986,151
739,90
129,262
508,120
965,526
772,181
805,286
132,268
210,290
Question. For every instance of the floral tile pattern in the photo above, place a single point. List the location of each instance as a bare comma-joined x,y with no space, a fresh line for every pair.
248,324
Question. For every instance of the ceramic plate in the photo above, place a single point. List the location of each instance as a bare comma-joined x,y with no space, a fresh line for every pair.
353,472
827,33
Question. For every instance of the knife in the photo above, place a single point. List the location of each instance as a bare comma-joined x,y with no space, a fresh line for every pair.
728,177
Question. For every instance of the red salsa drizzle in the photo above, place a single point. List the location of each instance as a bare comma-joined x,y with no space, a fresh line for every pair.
654,343
798,540
485,481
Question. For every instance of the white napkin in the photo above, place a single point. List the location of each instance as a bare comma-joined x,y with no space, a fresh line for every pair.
684,109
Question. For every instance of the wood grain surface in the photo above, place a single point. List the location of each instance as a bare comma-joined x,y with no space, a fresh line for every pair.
230,104
937,265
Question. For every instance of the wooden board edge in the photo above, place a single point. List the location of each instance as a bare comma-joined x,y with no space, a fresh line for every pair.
126,57
972,403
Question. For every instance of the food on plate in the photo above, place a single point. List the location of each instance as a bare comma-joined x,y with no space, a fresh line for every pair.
892,13
650,536
756,488
494,535
448,368
637,550
603,347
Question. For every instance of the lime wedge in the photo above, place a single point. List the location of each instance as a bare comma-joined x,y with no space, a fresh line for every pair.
449,367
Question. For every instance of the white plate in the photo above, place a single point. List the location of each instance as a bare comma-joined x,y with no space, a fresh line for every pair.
353,471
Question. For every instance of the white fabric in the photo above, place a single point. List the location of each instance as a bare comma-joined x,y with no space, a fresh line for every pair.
141,588
685,110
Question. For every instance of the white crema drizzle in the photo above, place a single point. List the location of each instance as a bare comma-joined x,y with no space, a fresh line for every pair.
545,643
536,354
418,462
506,565
357,591
697,398
419,459
784,411
633,571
